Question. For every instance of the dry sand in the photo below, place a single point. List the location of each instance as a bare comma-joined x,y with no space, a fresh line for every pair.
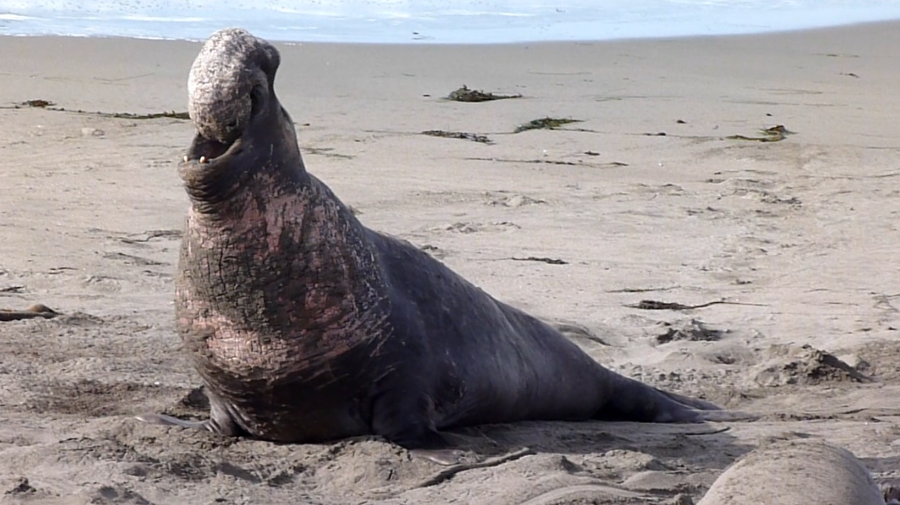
795,472
646,199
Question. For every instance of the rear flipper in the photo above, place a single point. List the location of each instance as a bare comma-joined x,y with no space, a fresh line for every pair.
695,403
710,412
631,400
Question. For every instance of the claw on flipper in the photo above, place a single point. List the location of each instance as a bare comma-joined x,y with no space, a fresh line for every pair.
164,420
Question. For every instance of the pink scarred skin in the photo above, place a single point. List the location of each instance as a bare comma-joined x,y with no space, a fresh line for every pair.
307,326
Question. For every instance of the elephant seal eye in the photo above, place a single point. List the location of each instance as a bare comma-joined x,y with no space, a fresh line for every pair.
257,97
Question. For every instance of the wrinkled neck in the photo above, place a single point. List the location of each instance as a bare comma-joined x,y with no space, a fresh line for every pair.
288,280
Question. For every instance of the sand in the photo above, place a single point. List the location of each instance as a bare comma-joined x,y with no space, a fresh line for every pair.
795,472
646,199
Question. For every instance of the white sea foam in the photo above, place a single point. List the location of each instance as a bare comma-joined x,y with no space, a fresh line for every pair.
442,21
13,17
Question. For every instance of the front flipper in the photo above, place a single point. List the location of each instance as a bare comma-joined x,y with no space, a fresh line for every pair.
220,421
422,442
408,421
165,420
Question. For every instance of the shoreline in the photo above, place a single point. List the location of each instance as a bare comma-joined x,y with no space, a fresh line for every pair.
426,26
876,24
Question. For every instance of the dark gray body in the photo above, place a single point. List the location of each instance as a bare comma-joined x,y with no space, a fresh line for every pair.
306,326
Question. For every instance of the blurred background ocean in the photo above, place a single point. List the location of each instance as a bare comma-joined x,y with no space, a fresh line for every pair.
432,21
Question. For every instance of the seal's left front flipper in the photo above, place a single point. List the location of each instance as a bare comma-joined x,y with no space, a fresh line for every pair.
164,420
220,419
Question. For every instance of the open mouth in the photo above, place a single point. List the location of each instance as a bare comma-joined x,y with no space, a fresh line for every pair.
204,150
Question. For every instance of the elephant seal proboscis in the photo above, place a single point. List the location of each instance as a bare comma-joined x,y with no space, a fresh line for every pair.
307,326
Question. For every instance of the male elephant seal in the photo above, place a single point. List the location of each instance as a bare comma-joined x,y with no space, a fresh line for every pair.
797,472
307,326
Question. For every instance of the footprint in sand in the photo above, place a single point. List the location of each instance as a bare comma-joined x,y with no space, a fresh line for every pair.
102,283
512,201
462,227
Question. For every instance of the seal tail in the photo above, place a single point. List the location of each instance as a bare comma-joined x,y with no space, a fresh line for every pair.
630,400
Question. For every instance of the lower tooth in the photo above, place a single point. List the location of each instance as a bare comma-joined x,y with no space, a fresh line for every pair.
203,159
185,159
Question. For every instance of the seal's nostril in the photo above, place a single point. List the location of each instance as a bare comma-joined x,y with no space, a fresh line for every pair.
231,125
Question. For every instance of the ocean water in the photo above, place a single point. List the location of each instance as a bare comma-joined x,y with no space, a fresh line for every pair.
432,21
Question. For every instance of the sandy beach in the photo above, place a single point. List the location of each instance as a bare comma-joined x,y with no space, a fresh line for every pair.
778,248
